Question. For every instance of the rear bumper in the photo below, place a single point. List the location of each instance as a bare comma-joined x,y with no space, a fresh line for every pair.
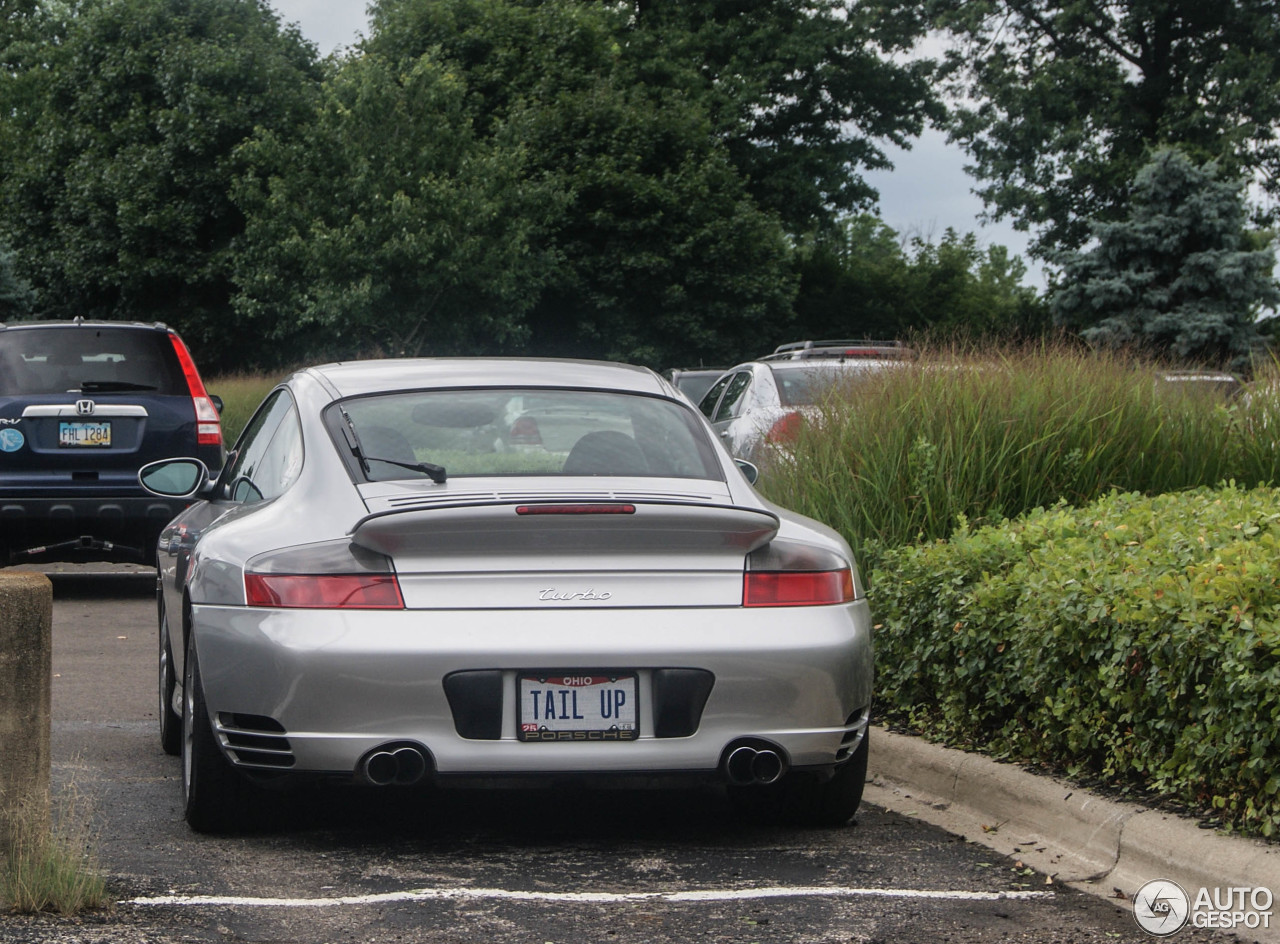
104,528
325,688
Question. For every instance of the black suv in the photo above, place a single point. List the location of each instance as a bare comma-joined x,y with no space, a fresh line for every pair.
83,405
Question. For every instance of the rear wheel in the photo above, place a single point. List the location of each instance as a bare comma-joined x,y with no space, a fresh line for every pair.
216,796
170,720
831,802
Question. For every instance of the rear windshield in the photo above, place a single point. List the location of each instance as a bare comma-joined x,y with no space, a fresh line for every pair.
88,359
527,432
809,383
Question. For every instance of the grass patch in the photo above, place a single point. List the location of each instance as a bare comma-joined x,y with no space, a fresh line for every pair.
53,870
241,393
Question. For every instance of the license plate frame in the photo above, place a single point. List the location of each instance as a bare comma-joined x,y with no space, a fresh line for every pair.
585,706
80,434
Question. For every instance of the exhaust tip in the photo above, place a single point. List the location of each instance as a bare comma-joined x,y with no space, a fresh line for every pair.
411,766
739,764
767,767
752,761
400,765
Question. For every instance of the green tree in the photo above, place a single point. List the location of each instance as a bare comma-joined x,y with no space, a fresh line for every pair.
16,297
115,152
1180,275
803,93
866,281
656,252
386,224
1068,96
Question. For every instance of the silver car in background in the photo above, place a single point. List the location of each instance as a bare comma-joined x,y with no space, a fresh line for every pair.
488,571
758,408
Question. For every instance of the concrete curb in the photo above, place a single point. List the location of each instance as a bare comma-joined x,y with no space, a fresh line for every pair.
1099,845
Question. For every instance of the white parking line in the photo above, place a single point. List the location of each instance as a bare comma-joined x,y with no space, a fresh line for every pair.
593,898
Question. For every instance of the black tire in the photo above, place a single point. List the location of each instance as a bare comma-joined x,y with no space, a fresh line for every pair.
832,803
170,720
216,797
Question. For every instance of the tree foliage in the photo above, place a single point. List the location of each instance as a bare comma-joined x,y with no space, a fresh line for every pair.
653,249
1062,99
867,281
386,224
1179,275
16,297
115,152
803,93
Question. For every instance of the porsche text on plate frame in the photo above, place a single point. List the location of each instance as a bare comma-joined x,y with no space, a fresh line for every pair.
502,572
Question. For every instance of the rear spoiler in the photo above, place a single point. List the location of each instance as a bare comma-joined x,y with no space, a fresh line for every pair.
577,527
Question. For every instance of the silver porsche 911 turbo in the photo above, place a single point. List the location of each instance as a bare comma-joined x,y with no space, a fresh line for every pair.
501,571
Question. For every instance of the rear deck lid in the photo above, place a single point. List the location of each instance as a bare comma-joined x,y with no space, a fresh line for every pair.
570,549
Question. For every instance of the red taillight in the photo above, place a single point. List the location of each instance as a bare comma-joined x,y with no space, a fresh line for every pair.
324,591
525,432
577,509
786,429
797,588
208,425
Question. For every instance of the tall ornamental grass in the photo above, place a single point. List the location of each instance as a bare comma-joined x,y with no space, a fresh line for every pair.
241,394
905,454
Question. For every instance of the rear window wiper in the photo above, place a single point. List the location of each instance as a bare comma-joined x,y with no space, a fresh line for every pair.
111,386
436,473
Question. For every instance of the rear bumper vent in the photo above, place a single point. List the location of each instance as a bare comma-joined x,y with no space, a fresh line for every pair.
255,740
854,729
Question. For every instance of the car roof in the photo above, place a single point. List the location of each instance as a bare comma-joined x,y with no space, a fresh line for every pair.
840,349
355,378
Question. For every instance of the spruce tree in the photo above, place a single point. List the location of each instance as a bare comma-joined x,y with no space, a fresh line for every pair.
1181,275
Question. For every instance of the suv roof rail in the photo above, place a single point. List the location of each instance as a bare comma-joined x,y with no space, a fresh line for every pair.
841,348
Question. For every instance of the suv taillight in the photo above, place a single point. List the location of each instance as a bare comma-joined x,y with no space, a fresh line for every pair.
785,431
208,425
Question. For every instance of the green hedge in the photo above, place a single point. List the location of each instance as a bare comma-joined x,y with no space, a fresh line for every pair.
1136,639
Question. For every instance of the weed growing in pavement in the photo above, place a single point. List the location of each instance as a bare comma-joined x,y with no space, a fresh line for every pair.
53,869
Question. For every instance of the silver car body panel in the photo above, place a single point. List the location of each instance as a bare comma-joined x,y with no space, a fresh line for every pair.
342,684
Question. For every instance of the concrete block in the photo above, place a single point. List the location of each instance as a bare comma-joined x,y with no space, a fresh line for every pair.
26,644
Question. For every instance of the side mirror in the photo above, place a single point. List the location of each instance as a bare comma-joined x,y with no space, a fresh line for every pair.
174,478
748,469
217,402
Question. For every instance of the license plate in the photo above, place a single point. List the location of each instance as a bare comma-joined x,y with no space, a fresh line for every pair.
578,708
84,434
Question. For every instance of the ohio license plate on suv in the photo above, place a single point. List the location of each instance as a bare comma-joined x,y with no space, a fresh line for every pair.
84,434
578,708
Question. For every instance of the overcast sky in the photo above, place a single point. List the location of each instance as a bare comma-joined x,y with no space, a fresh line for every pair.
926,192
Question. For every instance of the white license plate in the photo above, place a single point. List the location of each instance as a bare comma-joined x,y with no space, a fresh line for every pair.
84,434
578,708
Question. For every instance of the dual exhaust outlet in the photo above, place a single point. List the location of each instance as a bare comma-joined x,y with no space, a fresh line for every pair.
395,765
748,764
406,764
